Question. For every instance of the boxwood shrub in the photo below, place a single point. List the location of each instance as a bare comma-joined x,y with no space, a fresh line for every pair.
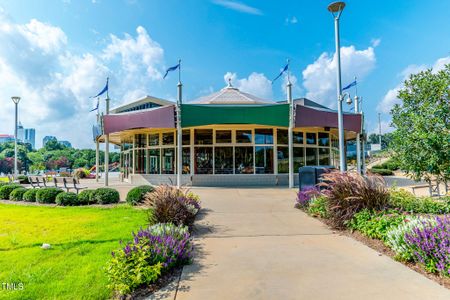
382,172
85,197
23,179
47,195
67,199
136,194
17,194
106,196
30,195
6,190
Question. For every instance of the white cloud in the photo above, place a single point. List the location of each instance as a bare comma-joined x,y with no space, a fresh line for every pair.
319,78
375,42
390,98
291,20
238,6
256,84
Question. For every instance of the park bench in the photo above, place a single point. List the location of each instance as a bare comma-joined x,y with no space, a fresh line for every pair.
40,182
433,188
34,182
68,183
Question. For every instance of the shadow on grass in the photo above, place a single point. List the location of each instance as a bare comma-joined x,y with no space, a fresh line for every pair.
66,245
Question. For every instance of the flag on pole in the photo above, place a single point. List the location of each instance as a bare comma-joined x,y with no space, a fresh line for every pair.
105,89
286,67
350,85
171,69
96,108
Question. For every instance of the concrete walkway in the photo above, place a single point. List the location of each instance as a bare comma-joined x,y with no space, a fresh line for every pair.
252,244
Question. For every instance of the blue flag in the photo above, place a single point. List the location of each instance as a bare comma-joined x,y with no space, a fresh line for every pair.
96,108
105,89
171,69
349,86
286,67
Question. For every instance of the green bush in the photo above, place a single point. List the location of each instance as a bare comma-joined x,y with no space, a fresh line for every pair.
375,224
23,179
67,199
85,197
318,207
407,202
390,164
106,196
382,172
7,189
17,194
30,195
47,195
136,194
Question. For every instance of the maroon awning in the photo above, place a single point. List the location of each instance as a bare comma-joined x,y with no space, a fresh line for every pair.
162,117
310,117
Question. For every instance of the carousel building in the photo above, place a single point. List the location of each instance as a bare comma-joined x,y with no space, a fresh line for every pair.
228,138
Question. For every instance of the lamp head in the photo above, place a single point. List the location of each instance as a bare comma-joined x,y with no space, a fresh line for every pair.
349,100
15,99
336,7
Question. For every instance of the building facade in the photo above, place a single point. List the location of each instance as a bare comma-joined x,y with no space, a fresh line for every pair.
228,138
30,137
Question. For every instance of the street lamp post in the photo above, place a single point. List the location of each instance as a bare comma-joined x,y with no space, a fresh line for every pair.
336,9
16,101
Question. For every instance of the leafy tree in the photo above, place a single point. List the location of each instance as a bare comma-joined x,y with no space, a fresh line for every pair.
421,141
386,139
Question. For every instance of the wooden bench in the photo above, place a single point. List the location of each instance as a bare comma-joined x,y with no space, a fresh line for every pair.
40,182
68,183
433,188
34,182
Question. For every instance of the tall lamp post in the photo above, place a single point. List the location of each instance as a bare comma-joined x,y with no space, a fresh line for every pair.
336,9
16,101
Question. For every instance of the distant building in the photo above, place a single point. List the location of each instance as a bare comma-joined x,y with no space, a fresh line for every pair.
47,138
30,137
66,143
20,133
4,138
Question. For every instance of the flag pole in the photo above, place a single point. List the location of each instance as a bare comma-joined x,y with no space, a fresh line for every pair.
179,129
290,130
97,147
107,137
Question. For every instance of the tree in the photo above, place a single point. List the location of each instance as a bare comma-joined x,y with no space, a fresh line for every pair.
386,139
421,141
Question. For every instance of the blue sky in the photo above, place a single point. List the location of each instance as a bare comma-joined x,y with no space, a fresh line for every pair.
56,54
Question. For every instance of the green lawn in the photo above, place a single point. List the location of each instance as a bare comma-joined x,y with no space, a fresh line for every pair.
4,179
82,239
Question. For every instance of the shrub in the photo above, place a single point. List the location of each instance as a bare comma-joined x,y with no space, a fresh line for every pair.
375,225
6,190
17,194
406,201
47,195
171,205
382,172
136,194
81,173
23,179
390,164
67,199
318,207
64,174
430,245
305,195
106,196
30,195
349,193
152,251
395,237
86,197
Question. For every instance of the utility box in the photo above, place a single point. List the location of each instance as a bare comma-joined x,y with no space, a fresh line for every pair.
309,176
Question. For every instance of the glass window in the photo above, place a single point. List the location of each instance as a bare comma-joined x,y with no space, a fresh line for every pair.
153,139
203,136
186,160
282,136
263,136
243,160
140,140
223,136
264,160
203,160
299,158
168,161
311,138
223,160
168,138
298,137
324,139
186,138
311,156
243,136
324,156
154,161
283,159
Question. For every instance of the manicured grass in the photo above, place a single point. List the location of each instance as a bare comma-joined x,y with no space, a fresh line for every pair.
82,239
4,179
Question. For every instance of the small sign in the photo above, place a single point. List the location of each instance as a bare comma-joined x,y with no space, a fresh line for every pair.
375,147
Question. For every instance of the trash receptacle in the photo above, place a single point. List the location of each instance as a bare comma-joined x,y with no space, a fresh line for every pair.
309,176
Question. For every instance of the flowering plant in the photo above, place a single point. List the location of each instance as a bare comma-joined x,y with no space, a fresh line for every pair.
305,195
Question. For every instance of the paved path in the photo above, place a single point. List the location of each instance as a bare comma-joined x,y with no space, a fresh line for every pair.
252,244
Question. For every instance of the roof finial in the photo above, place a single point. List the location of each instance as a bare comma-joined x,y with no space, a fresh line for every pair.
229,82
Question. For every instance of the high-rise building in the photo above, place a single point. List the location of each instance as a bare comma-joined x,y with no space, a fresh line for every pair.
47,138
20,133
30,137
